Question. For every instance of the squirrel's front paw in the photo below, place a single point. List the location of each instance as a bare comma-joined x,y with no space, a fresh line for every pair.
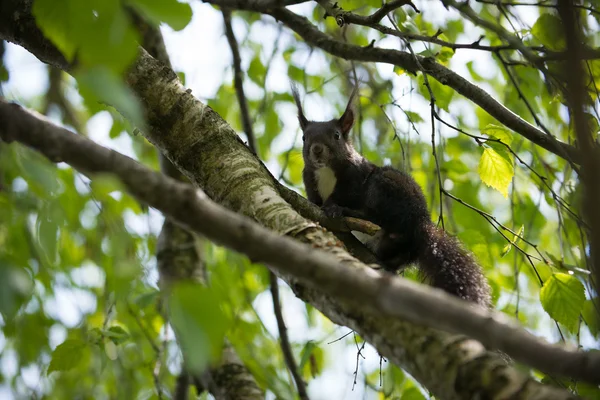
333,211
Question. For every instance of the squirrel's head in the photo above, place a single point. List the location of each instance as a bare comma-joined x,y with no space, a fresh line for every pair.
327,143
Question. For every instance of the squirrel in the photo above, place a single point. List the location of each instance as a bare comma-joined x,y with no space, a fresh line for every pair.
343,183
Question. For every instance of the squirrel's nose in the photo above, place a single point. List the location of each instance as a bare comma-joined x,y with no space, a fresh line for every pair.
317,149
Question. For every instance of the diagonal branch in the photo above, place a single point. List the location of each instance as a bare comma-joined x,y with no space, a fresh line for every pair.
362,288
314,37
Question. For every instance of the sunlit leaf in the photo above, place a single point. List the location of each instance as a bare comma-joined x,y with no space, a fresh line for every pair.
562,297
496,170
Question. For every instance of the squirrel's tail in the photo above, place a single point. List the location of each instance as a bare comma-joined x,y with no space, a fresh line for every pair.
446,265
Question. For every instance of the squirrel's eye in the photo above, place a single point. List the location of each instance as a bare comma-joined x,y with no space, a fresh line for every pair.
303,138
337,136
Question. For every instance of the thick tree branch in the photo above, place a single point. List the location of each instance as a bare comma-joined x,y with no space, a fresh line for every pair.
363,288
314,37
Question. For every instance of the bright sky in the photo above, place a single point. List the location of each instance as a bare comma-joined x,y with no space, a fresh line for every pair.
202,52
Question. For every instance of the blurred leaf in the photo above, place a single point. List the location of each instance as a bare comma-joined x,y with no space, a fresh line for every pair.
4,75
177,15
67,355
399,70
101,85
256,71
105,184
116,334
311,360
562,297
110,348
548,29
393,377
147,299
64,22
591,315
199,322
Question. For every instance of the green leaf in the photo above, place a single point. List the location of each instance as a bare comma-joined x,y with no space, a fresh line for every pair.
181,76
147,299
312,360
549,31
256,70
514,241
94,30
590,314
4,75
99,84
177,15
399,70
116,334
111,350
199,323
562,297
413,117
393,378
496,170
67,355
64,22
105,184
498,132
443,94
48,222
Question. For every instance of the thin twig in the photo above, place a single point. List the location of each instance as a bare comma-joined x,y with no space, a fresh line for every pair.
238,81
286,348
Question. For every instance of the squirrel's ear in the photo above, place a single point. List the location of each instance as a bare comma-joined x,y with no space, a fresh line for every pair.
301,118
347,119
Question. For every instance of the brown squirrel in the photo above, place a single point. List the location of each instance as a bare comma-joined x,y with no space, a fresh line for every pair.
344,183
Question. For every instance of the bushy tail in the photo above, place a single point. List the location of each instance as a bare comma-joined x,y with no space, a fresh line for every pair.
446,265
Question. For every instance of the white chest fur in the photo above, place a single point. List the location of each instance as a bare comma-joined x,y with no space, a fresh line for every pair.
326,181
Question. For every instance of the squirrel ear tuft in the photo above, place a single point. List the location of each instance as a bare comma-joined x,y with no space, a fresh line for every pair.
347,119
301,118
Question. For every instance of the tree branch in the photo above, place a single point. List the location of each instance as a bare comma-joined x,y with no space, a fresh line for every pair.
362,288
376,17
314,37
